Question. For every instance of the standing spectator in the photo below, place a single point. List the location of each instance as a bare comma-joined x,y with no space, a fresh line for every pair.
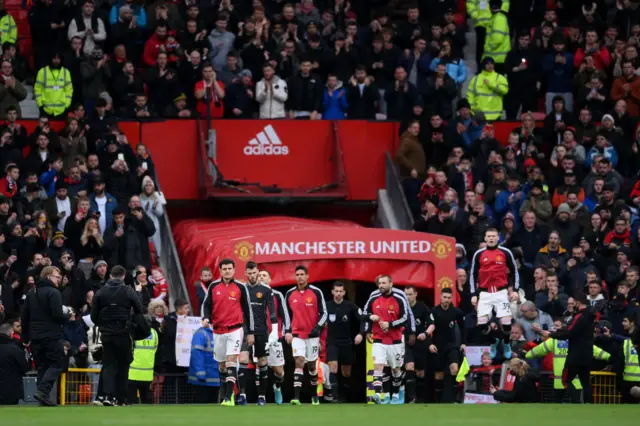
486,91
221,41
558,71
497,43
153,203
335,99
48,30
95,76
440,90
271,94
12,92
127,239
156,44
456,68
210,94
241,97
592,46
627,88
522,69
416,62
162,81
538,202
410,156
401,97
595,97
73,142
305,93
362,96
89,27
53,89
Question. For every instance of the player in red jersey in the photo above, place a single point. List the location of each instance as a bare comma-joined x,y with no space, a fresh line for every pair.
384,318
308,312
275,357
227,307
493,269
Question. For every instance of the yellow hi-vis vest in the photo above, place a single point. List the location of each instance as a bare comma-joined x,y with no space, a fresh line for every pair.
480,11
487,98
53,90
498,41
560,349
8,29
631,365
144,356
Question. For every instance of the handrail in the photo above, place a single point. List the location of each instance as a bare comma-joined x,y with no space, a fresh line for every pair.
393,184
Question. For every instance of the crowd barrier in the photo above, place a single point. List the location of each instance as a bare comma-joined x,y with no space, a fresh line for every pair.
174,147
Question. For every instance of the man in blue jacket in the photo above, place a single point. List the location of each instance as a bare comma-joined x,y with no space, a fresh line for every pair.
203,369
510,200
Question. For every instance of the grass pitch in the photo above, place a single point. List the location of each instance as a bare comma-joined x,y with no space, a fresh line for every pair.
327,415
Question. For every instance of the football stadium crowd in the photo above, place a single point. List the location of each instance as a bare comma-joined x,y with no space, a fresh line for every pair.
558,198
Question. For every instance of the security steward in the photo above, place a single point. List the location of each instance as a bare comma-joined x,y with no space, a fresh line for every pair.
628,365
579,335
111,312
43,317
560,349
53,89
141,369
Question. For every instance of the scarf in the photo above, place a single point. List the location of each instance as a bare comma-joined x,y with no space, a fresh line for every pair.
625,237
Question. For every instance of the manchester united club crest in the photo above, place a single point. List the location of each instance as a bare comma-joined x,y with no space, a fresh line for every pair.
445,282
441,248
244,251
390,307
499,258
259,295
309,300
232,293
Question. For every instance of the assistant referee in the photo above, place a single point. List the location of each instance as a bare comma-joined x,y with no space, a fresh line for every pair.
111,312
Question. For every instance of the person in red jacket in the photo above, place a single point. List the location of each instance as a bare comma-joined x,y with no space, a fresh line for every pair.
227,307
384,317
601,57
308,312
9,183
210,90
157,43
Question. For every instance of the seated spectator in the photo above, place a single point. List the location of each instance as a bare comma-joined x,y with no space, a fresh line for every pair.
89,27
180,108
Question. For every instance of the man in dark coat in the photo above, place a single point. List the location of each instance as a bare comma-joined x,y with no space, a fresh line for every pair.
126,242
13,365
43,317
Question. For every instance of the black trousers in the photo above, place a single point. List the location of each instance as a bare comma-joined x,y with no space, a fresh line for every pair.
144,388
583,373
528,99
481,35
116,357
48,355
205,394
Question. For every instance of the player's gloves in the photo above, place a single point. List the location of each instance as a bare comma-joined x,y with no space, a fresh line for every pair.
315,332
273,336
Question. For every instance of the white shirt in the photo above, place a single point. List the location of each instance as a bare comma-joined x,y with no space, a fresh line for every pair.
102,208
63,206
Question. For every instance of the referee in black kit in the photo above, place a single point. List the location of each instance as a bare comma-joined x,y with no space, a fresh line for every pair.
111,312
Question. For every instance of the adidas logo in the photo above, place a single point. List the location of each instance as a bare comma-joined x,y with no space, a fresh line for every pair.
266,142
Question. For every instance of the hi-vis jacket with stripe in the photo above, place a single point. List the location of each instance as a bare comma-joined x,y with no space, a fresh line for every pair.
560,350
480,11
53,90
498,42
8,28
487,97
144,355
631,365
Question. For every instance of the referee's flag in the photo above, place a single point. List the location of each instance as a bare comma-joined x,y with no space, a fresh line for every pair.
463,371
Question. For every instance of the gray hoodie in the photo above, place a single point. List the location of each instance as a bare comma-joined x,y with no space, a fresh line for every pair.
527,325
221,44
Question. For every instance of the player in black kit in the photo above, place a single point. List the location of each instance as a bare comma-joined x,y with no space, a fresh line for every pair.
261,297
415,356
443,343
343,324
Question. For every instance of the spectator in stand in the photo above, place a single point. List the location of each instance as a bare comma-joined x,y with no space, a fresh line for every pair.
241,97
627,88
73,142
410,156
12,92
210,93
593,47
14,365
497,43
271,94
127,239
439,92
221,41
455,65
95,76
89,27
486,91
48,30
335,99
153,203
362,95
53,88
156,44
522,69
558,69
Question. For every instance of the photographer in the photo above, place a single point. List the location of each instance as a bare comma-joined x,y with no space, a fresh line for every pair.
126,242
111,312
43,317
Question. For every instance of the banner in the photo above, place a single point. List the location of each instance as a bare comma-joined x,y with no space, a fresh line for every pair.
474,354
478,398
187,326
286,154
